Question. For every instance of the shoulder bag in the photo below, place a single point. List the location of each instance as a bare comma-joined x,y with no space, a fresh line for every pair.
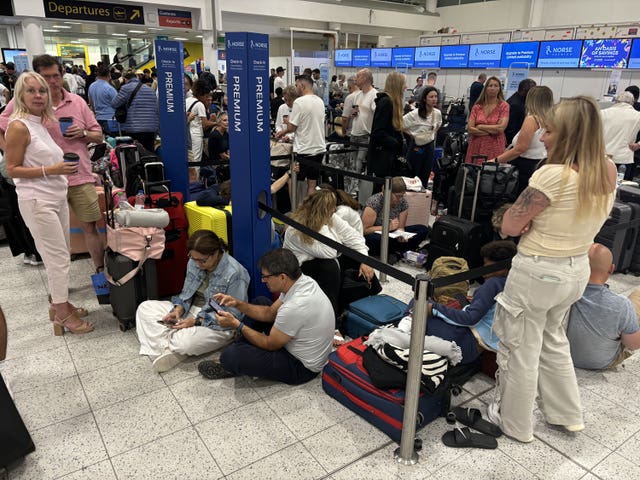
121,112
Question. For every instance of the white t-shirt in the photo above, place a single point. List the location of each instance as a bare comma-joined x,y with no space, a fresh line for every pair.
308,116
195,126
361,124
350,216
413,122
620,125
347,108
279,82
3,99
307,316
282,111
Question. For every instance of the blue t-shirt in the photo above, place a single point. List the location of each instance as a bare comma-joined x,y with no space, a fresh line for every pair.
596,323
101,93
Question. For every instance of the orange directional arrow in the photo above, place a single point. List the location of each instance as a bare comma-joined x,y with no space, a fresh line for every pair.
135,14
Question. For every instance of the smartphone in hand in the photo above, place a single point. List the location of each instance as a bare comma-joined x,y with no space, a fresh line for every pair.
167,323
216,306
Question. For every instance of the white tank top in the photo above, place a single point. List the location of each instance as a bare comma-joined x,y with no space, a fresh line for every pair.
536,150
42,150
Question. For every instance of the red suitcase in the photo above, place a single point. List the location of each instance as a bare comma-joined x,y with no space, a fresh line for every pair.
172,267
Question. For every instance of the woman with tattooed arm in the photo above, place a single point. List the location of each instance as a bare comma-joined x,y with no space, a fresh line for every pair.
557,215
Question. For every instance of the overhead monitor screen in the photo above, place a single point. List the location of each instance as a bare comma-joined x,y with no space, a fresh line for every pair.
402,57
485,55
634,58
454,56
427,57
380,57
361,57
560,54
343,58
608,53
521,52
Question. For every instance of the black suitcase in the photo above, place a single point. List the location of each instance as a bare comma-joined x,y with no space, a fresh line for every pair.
15,440
126,298
631,260
458,237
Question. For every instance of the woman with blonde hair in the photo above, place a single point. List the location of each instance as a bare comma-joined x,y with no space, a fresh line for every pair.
558,215
487,121
385,142
36,164
528,150
317,260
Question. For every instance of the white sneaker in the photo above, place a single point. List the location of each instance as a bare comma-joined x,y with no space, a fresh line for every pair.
167,361
33,261
574,428
493,414
26,259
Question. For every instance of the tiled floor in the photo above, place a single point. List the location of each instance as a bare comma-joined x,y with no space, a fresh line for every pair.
97,411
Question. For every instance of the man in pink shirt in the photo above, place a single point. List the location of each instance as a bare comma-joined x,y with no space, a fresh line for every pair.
85,129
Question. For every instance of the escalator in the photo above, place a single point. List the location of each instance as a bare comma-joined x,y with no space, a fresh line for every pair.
142,56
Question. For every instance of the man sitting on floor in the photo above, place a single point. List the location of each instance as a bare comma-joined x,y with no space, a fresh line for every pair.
288,340
602,326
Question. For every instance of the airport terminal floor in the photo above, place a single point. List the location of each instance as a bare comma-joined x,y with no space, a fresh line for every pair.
96,410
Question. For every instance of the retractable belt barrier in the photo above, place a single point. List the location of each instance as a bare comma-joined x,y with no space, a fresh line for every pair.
346,173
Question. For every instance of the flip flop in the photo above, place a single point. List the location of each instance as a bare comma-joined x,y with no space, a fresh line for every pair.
471,417
464,438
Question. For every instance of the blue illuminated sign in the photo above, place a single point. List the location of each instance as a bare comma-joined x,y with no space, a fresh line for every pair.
454,56
634,58
361,58
402,57
427,57
342,58
380,57
521,52
485,55
560,54
609,53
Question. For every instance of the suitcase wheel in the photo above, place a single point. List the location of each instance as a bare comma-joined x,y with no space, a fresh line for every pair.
456,390
124,327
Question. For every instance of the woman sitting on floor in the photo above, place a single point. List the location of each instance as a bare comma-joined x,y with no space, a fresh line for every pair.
189,324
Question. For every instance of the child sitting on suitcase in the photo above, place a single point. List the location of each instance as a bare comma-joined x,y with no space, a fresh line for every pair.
187,325
471,327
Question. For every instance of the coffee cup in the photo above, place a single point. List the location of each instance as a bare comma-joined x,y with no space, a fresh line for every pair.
65,123
71,157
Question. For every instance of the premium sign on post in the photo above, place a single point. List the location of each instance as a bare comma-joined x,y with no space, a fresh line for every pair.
248,93
173,124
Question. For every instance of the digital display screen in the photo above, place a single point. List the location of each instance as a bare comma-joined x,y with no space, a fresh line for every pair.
380,57
342,58
9,54
454,56
609,53
361,57
522,52
427,57
560,54
402,57
634,58
485,55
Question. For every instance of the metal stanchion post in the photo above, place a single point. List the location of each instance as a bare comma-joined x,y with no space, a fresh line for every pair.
386,210
294,183
406,453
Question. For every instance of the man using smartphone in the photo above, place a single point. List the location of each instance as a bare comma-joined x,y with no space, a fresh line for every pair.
288,340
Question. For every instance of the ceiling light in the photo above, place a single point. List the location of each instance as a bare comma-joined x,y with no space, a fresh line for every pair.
180,38
50,30
198,36
75,41
74,23
61,26
119,34
154,28
137,31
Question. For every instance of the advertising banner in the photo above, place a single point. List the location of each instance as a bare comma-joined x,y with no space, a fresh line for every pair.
171,108
248,93
609,53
